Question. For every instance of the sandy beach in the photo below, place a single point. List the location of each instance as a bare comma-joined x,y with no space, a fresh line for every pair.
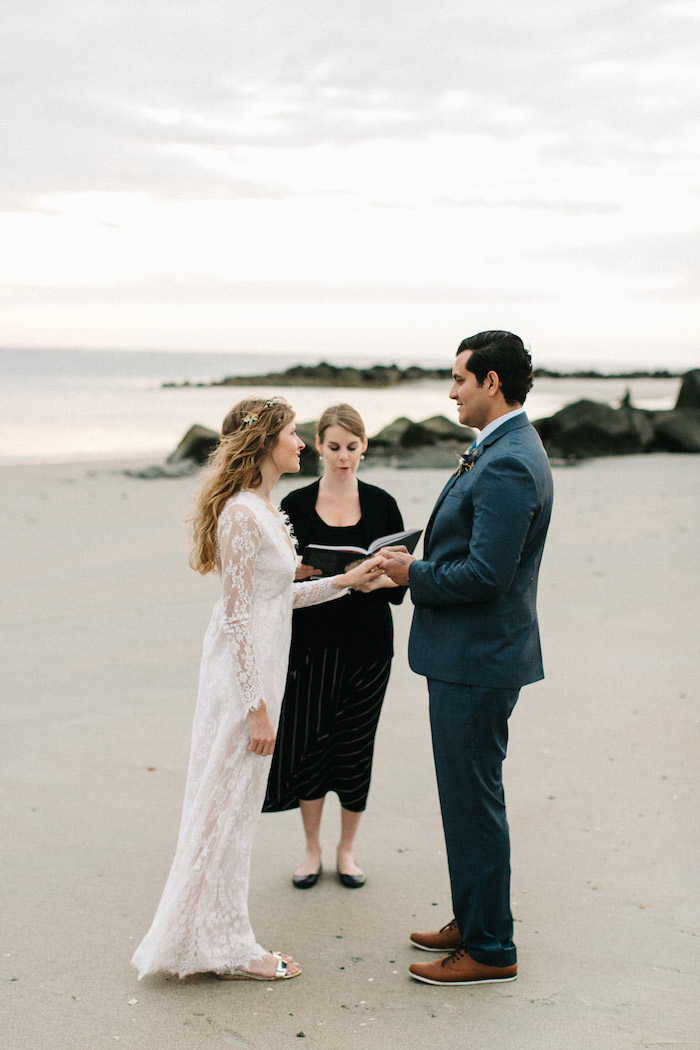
102,624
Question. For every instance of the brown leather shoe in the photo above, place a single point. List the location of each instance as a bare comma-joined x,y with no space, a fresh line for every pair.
460,968
443,940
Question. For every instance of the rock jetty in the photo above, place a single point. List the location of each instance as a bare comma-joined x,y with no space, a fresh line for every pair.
324,374
582,430
588,428
327,375
435,442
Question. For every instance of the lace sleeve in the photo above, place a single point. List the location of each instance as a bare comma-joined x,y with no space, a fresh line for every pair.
239,543
315,592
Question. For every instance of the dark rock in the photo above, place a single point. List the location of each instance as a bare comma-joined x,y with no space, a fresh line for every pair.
431,443
444,429
689,393
659,373
325,374
589,428
405,433
309,459
381,375
678,430
417,436
640,422
196,445
428,457
435,442
401,443
390,436
165,470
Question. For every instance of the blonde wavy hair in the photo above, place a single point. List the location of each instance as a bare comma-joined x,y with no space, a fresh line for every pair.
248,434
341,415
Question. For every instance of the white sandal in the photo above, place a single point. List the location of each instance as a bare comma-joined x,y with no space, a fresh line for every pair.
280,974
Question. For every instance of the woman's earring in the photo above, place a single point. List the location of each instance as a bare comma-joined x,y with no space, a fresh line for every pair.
362,456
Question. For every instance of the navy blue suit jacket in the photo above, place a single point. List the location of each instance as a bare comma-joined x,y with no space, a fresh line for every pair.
475,589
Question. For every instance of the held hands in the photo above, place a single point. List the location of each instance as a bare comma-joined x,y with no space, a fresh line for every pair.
362,577
262,735
396,561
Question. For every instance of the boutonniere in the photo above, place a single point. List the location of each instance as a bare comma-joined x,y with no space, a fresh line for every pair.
466,460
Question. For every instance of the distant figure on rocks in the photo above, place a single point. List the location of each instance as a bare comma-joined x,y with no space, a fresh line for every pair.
475,638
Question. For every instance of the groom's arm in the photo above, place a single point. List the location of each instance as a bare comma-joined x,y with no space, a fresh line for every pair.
505,500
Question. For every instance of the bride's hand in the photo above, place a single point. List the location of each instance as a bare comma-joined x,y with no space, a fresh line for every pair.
262,735
362,576
381,583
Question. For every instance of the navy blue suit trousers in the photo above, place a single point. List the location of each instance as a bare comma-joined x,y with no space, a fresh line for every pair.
470,738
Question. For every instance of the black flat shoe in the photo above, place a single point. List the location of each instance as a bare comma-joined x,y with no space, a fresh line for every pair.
305,882
352,882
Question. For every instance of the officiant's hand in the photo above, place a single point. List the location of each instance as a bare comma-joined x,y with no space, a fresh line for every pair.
396,561
305,572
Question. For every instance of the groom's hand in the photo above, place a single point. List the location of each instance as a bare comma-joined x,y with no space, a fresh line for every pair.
396,562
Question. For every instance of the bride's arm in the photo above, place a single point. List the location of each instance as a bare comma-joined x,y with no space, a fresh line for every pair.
315,592
239,543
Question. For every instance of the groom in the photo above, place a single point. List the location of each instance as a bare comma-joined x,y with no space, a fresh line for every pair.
475,638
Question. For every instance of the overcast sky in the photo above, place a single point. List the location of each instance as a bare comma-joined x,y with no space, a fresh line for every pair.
352,177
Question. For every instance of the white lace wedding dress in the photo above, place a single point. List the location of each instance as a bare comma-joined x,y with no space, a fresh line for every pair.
202,920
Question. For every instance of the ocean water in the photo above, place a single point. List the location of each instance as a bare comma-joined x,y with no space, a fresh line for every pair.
67,405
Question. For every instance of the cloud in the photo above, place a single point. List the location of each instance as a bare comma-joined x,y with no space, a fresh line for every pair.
163,157
562,206
668,256
182,289
167,97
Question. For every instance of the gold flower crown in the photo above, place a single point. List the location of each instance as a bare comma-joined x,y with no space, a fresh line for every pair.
252,416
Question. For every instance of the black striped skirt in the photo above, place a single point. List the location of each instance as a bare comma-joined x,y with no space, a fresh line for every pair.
328,722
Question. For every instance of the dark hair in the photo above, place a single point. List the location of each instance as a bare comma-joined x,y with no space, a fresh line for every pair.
504,354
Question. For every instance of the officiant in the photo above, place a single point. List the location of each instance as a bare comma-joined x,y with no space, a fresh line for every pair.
340,659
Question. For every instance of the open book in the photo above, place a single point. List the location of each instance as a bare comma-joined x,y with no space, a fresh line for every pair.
333,560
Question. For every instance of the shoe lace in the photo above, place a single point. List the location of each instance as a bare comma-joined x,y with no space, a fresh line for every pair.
451,925
454,956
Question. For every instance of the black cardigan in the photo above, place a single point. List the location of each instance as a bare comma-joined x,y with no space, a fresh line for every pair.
356,621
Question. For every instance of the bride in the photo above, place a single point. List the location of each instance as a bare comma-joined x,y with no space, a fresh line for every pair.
201,924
